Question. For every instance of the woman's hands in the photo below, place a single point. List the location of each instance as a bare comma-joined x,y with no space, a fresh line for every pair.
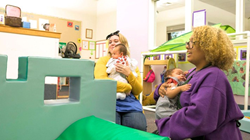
123,69
163,89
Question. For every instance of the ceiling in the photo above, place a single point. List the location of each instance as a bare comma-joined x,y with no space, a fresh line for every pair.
227,5
163,5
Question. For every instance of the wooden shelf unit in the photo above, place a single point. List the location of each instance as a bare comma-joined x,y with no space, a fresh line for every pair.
147,87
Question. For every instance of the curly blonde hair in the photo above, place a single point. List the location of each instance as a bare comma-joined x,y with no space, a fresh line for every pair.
216,45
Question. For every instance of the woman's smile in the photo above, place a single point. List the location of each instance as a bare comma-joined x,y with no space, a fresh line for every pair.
188,53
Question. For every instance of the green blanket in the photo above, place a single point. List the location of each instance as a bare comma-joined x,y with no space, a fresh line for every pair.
93,128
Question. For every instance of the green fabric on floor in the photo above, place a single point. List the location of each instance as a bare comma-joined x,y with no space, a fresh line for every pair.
93,128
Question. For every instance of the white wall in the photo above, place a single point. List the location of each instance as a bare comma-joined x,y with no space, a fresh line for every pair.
24,46
168,18
134,25
106,23
88,18
106,18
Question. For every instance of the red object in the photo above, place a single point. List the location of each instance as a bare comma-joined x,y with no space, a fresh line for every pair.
121,60
58,85
70,24
150,77
170,80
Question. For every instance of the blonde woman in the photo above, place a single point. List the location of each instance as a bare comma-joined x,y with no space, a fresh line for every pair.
208,109
128,111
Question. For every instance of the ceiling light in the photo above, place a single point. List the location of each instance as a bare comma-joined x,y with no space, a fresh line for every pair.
167,3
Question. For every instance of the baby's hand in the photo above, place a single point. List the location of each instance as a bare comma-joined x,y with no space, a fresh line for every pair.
185,87
185,73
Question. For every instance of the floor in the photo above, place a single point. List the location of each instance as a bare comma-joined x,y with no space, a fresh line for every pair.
150,116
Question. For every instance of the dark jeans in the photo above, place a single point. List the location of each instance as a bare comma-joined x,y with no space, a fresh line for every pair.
135,120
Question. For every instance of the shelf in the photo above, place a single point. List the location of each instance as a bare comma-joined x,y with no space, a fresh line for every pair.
26,31
156,62
65,85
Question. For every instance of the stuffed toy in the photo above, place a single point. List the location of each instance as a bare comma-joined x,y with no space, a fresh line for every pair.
149,99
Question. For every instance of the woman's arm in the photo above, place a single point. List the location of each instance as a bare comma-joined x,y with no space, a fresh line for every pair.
135,82
156,93
100,73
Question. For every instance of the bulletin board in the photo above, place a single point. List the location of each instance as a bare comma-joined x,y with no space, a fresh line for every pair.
70,29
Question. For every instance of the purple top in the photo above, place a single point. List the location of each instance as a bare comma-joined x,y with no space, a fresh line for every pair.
208,109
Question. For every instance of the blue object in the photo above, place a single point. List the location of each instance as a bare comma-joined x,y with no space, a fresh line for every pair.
245,122
26,24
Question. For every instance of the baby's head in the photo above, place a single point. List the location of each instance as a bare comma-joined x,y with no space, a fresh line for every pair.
119,51
175,72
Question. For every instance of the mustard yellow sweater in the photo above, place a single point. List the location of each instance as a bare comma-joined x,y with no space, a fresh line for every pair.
135,82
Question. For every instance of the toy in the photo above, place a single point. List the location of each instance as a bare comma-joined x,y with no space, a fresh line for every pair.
25,113
247,117
149,99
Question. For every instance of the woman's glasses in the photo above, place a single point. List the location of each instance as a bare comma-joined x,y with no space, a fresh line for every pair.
111,34
189,44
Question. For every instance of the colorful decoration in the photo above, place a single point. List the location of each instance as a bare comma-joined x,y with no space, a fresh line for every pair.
77,27
79,40
70,24
236,77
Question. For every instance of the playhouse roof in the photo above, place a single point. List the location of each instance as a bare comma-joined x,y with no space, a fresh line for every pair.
178,43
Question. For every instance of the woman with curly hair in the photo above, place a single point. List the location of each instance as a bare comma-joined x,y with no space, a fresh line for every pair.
208,109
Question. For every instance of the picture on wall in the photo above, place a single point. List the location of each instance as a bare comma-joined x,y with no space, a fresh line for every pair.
70,24
167,56
85,44
89,33
77,27
91,45
243,54
181,57
157,57
199,18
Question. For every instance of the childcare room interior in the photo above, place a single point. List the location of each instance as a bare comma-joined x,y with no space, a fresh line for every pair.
50,58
